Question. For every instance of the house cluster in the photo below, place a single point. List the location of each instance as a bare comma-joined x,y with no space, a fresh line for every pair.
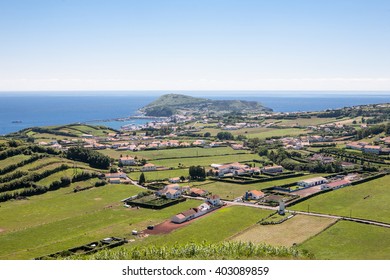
237,126
295,143
329,127
366,148
211,203
234,169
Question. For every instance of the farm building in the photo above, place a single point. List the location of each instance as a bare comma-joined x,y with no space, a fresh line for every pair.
336,184
193,213
272,169
312,182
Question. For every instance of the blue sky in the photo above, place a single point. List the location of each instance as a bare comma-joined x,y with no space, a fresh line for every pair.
194,45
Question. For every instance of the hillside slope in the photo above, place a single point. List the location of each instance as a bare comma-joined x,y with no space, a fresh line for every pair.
170,104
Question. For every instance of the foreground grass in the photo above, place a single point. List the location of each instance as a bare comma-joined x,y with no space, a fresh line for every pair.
350,241
201,251
368,201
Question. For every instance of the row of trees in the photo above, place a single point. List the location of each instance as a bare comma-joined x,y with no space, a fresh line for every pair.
373,130
93,158
34,189
29,180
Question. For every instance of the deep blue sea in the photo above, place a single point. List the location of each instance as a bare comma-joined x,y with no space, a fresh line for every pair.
55,108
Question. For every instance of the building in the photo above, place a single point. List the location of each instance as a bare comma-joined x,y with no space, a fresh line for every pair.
174,180
272,169
214,200
172,194
312,182
372,149
254,194
336,184
121,175
127,161
197,192
149,167
231,168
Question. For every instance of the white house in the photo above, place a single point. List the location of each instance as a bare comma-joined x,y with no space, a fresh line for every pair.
214,200
255,194
174,180
121,175
173,194
312,182
149,167
127,161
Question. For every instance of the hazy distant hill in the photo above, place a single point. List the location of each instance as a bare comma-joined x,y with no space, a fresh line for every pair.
169,104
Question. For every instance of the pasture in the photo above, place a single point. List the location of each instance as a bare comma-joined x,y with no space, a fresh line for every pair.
369,200
350,241
62,219
230,190
173,153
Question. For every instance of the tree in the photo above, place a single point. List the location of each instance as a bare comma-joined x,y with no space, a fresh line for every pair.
225,136
197,172
207,134
141,180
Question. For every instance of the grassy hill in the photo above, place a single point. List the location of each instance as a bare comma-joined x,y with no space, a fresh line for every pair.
169,104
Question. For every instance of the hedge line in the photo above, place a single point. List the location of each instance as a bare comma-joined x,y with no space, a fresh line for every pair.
258,180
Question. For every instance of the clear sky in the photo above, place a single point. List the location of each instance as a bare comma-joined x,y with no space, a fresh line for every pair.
194,45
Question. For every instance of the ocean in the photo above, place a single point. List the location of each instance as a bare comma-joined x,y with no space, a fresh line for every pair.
26,109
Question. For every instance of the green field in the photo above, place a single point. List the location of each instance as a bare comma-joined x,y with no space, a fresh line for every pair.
62,219
160,175
173,153
230,190
369,200
295,230
260,132
350,241
205,161
13,160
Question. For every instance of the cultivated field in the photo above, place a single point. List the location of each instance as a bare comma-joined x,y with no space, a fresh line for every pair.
293,231
350,241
